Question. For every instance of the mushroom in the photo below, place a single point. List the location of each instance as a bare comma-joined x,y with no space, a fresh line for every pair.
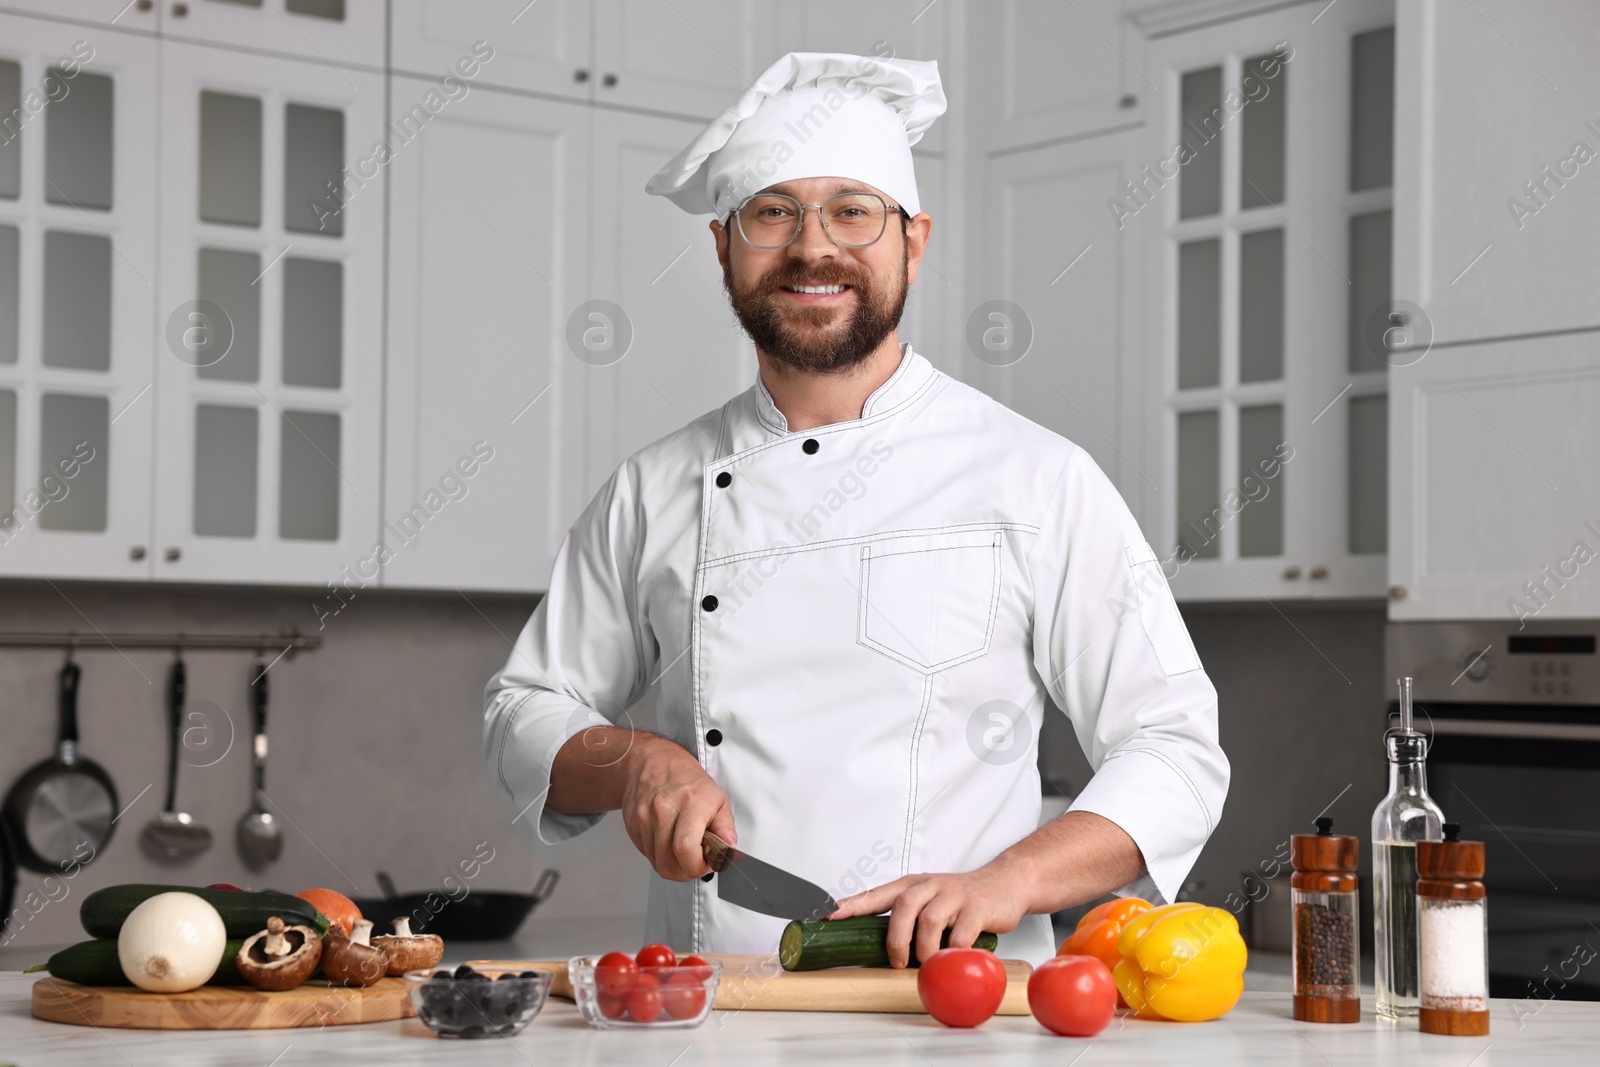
352,961
279,957
408,951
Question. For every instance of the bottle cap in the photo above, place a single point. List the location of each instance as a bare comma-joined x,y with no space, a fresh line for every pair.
1324,850
1451,859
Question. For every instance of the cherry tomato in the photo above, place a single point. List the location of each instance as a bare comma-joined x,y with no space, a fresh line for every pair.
615,973
1072,995
656,956
961,986
692,961
645,1000
612,1005
685,994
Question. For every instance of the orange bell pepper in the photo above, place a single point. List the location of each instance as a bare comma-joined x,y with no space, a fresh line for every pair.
1096,933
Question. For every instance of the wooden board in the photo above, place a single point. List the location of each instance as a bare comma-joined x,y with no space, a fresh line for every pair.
314,1003
757,983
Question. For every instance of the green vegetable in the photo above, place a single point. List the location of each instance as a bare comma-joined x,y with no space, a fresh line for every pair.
860,941
95,963
243,914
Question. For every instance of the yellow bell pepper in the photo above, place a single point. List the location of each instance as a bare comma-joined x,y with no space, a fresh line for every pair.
1181,961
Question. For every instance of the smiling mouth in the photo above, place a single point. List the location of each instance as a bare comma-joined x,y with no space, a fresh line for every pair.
819,292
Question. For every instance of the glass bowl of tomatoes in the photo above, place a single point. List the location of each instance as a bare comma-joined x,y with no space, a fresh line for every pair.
654,989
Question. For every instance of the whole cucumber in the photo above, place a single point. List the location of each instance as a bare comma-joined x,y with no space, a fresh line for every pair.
95,963
243,914
860,941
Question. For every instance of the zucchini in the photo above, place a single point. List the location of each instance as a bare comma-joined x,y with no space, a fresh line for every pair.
95,963
243,914
860,941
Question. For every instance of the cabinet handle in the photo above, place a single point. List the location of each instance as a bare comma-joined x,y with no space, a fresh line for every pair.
179,10
1128,100
580,75
609,80
174,554
1291,572
1319,571
1397,592
146,5
136,553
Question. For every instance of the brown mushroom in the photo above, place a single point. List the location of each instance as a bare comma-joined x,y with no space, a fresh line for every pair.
352,961
408,951
279,957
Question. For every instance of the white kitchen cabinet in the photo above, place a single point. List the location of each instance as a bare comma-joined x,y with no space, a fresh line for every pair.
658,264
1267,256
269,357
327,31
1053,70
489,249
77,270
1494,504
542,47
1064,353
1497,186
133,16
689,57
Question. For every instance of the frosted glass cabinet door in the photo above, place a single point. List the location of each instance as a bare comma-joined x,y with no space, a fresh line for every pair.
77,263
329,31
269,367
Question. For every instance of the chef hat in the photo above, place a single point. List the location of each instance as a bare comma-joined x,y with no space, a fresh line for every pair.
810,114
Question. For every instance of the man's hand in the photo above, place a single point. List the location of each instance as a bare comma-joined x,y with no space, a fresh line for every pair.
990,898
668,802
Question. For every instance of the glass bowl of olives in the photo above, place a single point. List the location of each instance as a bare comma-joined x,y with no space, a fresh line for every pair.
463,1002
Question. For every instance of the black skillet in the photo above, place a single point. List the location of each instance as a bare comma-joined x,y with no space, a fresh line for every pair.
60,812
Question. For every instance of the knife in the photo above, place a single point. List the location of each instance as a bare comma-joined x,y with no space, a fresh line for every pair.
755,884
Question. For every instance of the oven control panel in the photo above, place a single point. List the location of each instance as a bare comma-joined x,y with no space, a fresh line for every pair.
1496,663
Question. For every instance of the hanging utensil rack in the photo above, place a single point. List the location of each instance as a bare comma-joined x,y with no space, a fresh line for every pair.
291,641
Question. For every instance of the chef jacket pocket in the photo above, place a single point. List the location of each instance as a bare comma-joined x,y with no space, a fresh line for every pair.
1158,612
928,601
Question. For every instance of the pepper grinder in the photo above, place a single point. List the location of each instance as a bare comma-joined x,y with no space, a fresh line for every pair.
1327,964
1453,935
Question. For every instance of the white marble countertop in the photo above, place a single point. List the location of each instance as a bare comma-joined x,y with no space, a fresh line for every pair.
1258,1030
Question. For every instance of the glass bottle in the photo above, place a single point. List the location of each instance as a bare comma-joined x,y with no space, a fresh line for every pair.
1405,816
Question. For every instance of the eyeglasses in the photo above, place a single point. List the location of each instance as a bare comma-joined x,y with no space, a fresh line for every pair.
851,220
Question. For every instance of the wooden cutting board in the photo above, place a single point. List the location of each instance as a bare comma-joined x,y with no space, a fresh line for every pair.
314,1003
757,983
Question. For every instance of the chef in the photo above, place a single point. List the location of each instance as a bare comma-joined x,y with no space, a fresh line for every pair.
859,587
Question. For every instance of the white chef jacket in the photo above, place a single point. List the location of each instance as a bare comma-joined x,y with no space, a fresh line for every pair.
855,629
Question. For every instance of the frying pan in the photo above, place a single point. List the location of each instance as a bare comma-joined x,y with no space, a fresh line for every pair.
481,915
64,803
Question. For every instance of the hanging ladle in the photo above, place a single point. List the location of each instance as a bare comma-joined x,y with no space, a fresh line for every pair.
173,834
260,836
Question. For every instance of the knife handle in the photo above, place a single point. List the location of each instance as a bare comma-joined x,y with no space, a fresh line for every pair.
715,850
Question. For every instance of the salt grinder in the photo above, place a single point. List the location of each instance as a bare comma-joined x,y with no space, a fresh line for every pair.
1327,967
1452,925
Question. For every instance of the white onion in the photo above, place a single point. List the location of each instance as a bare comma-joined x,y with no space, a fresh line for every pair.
171,942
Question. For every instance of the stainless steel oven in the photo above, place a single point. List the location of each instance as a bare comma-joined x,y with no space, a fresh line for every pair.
1515,718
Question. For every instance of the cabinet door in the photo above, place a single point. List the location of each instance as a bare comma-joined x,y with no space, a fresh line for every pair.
488,255
328,31
1497,189
540,46
1494,503
658,266
1053,70
77,299
129,15
691,57
268,381
1048,334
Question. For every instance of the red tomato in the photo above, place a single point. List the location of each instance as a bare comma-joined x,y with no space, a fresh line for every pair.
961,986
612,1005
615,973
685,994
1072,995
692,961
656,956
644,999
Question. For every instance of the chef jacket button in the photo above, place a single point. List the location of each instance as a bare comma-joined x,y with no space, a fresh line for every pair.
810,447
709,603
724,480
708,876
713,737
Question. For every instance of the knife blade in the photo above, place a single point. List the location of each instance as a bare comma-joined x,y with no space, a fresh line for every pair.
759,886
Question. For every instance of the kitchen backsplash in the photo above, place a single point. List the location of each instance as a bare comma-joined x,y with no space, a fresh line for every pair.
376,761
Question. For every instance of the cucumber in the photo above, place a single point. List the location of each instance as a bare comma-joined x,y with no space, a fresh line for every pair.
243,914
95,963
860,941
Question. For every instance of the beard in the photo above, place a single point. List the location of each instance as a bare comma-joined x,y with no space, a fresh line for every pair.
822,339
